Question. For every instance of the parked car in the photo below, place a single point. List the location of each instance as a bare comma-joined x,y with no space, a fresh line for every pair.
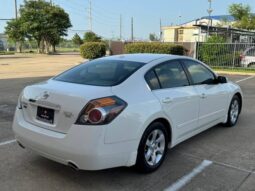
248,57
123,110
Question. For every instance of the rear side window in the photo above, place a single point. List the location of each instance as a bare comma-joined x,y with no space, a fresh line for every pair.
152,80
199,73
100,72
171,75
251,52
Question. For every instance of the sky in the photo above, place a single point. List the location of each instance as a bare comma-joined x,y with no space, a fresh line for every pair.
146,14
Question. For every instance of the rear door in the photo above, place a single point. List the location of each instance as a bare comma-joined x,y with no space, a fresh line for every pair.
179,101
213,96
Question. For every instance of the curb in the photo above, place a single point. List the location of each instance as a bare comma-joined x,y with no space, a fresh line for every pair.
235,73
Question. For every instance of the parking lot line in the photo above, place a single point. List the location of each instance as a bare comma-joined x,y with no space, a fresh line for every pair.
250,77
7,142
188,177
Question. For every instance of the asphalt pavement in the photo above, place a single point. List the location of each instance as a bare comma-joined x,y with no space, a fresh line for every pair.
217,159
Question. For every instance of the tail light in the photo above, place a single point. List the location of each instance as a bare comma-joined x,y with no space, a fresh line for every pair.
101,111
242,57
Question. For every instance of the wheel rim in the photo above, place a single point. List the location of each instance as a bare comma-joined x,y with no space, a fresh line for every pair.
154,147
234,111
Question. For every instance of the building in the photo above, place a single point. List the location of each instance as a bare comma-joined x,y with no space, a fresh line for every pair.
198,30
3,42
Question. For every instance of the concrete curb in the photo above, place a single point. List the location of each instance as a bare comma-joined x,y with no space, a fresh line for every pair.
235,73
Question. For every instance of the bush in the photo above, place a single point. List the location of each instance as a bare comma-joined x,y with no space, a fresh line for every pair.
154,47
92,50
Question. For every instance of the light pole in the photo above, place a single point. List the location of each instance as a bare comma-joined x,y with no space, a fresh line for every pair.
209,11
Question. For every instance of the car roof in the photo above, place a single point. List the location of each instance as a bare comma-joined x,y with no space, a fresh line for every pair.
145,57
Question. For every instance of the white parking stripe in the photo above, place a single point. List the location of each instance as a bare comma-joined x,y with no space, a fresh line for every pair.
250,77
7,142
188,177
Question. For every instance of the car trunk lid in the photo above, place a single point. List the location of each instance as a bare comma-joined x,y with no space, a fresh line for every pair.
62,100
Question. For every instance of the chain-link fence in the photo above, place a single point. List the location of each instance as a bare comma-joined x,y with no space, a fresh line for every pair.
227,55
31,47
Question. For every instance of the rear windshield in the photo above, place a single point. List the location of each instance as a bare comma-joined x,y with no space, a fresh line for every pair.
100,72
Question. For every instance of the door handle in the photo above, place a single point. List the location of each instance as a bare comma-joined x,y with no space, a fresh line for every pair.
203,96
167,100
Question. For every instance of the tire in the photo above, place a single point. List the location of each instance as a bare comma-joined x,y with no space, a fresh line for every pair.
233,111
153,145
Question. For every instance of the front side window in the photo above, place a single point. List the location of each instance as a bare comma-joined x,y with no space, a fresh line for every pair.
199,73
171,75
100,72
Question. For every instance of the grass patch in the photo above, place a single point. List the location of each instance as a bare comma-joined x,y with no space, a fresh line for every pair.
234,69
6,53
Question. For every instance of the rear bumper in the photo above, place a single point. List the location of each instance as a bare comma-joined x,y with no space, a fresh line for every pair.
82,145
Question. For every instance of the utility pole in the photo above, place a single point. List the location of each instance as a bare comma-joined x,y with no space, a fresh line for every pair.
90,16
16,10
120,27
132,29
209,11
160,30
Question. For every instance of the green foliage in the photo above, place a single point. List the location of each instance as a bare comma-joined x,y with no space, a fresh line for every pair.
154,47
77,39
15,31
41,21
92,50
153,37
91,37
215,52
243,16
216,39
238,10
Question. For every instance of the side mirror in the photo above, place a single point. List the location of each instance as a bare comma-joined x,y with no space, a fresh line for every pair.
222,80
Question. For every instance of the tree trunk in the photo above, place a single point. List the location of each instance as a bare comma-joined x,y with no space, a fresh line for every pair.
38,46
19,47
42,47
47,47
54,48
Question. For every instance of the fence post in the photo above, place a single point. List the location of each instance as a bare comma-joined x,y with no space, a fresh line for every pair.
234,56
195,50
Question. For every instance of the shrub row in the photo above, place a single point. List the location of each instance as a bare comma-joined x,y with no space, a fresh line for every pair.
154,47
92,50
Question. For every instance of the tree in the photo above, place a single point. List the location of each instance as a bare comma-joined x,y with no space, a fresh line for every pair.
153,37
238,11
16,33
91,37
77,40
44,23
244,19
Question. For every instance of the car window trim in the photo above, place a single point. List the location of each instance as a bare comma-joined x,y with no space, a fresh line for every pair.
162,63
191,79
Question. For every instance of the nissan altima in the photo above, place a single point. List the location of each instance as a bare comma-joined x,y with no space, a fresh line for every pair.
123,110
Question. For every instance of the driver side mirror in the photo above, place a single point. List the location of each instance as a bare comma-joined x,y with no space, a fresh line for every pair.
222,80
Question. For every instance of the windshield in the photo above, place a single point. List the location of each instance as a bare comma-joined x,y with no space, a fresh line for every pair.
100,72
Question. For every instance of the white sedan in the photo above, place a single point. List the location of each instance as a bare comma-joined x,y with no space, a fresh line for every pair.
123,110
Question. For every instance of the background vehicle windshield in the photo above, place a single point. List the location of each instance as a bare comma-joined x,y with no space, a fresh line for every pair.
100,72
